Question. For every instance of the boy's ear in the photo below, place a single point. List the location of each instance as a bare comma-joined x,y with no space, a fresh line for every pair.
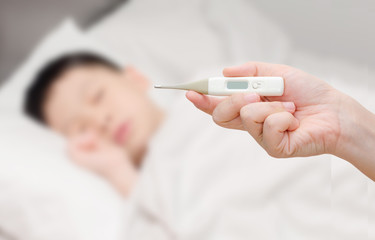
139,80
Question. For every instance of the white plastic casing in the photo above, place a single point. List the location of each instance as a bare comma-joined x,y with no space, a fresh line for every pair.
264,86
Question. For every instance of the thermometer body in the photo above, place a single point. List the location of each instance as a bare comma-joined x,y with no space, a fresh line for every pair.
225,86
264,86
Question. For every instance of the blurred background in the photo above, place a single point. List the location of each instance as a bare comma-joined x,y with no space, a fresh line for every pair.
342,28
197,189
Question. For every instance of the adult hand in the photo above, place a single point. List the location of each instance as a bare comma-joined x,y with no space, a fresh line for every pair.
311,117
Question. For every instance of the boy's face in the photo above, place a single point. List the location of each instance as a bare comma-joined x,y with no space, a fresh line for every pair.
112,104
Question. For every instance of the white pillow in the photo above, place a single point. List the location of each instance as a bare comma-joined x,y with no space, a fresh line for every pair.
66,38
43,195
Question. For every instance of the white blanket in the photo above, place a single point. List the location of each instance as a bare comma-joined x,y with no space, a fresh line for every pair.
204,182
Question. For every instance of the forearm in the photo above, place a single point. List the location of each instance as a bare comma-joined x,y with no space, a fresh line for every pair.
357,140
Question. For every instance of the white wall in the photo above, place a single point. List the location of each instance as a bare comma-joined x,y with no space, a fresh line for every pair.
343,28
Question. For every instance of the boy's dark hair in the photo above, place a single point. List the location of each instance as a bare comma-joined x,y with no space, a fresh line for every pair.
36,94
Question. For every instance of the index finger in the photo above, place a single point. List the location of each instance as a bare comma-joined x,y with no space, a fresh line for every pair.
203,102
227,113
254,69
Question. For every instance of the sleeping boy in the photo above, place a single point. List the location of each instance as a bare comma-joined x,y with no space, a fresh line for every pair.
103,110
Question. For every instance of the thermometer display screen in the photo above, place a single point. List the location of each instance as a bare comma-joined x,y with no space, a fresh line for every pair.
237,85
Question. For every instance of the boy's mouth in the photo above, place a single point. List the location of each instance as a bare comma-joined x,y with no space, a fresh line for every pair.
122,132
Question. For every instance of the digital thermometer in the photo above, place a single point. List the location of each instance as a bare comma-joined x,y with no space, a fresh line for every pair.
225,86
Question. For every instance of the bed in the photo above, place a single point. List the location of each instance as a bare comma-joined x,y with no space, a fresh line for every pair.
199,181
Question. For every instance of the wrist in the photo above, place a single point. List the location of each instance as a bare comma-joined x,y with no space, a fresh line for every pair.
357,134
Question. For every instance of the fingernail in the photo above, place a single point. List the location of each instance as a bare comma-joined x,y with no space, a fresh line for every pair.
251,98
289,106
